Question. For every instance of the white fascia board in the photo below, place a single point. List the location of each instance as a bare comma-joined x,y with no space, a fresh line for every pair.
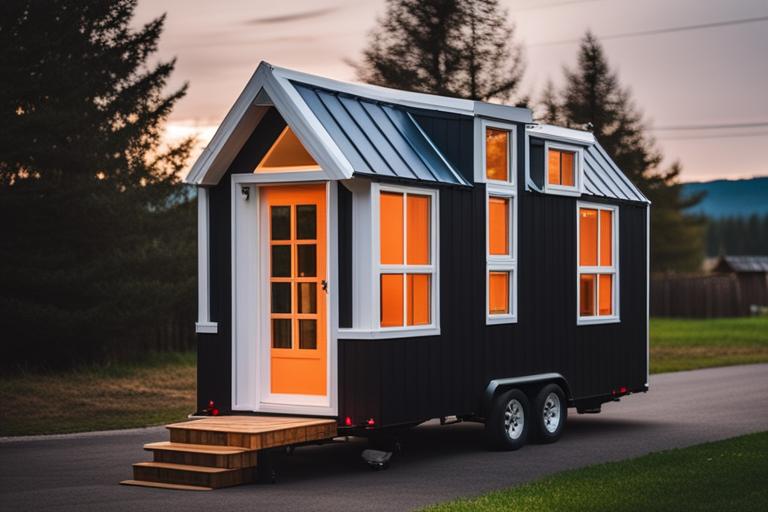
548,131
503,112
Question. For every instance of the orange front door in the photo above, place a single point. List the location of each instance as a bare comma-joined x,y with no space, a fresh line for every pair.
297,294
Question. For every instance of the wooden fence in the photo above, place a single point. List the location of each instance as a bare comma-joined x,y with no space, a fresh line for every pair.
697,296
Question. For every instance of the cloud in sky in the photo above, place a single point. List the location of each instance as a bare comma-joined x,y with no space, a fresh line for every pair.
296,16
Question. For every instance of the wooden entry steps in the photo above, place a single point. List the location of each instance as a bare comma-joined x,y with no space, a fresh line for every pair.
222,451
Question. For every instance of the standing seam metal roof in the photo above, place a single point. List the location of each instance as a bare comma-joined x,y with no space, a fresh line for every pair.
378,139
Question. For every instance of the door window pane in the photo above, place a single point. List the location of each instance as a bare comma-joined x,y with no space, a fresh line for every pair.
496,154
587,237
281,222
498,293
498,225
391,300
281,261
308,334
281,333
306,256
307,297
391,221
281,297
606,238
418,295
587,295
306,222
418,230
605,294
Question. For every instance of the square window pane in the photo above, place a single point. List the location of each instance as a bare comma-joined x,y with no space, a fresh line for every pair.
306,222
605,294
418,229
391,228
418,295
553,166
498,225
606,238
391,300
281,333
307,297
306,256
308,334
281,222
587,237
281,261
498,293
567,169
281,297
587,295
497,154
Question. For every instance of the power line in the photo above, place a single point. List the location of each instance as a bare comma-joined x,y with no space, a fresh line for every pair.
715,136
552,4
667,30
709,126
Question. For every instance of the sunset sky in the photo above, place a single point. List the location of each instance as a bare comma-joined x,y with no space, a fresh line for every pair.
697,75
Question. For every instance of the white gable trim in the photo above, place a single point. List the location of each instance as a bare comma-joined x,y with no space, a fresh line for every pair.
245,115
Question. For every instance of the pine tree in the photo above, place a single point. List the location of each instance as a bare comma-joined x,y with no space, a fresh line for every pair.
97,243
593,97
461,48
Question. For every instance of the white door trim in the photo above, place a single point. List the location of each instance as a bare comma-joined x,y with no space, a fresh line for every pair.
250,354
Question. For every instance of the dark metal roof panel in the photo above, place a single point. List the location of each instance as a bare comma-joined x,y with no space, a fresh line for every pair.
603,178
377,138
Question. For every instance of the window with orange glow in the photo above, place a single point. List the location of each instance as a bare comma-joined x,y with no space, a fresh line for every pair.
498,293
405,258
497,154
498,225
597,268
561,167
287,154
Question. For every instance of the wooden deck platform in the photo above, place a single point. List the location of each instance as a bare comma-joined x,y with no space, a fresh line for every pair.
222,451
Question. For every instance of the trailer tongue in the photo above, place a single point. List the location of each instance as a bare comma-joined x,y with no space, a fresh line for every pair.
223,451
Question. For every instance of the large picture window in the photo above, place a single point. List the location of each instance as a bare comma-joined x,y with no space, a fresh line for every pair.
501,250
597,263
406,270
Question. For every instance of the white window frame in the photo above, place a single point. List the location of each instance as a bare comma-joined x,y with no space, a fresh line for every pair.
578,162
612,269
502,263
480,170
433,328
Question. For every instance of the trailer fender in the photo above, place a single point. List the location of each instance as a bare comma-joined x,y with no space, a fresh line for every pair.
497,386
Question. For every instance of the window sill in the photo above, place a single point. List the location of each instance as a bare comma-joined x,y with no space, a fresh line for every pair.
596,320
367,334
206,327
562,191
500,319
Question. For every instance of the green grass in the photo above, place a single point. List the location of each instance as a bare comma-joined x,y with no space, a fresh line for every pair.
683,344
156,391
725,475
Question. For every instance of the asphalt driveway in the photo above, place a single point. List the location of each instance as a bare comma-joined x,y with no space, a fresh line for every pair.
81,472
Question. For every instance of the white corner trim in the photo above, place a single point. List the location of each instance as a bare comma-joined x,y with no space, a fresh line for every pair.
203,325
206,327
578,173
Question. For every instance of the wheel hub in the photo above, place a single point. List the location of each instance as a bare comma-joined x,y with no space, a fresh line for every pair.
514,419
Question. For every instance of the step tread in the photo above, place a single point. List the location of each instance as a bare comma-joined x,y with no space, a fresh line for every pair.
196,448
184,467
161,485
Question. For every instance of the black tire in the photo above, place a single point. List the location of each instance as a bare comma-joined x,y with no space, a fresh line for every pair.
549,429
497,427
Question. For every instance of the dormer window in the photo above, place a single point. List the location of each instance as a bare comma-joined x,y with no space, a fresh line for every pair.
497,153
563,165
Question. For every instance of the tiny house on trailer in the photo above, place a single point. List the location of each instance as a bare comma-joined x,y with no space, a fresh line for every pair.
382,258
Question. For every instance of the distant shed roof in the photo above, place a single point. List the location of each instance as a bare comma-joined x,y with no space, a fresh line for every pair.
742,264
378,138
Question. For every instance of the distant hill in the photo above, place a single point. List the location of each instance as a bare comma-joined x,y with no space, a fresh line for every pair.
731,198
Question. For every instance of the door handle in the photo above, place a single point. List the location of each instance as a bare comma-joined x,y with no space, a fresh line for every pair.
324,285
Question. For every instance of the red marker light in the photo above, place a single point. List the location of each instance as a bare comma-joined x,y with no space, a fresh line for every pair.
371,422
348,421
623,389
215,412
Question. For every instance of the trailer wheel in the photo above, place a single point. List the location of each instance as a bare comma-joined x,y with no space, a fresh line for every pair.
506,428
550,411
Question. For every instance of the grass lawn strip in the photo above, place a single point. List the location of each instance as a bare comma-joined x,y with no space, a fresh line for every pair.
157,391
719,476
